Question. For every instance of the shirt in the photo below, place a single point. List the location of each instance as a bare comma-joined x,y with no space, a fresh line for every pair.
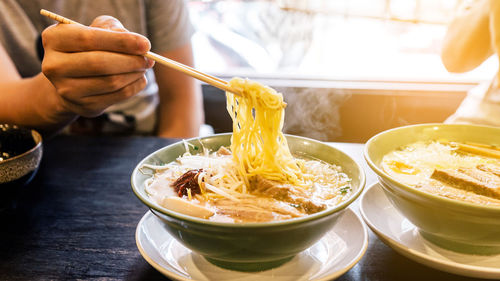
164,22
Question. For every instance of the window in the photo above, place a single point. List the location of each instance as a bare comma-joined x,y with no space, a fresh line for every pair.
368,40
348,69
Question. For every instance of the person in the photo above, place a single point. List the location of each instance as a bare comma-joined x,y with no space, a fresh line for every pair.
95,73
472,37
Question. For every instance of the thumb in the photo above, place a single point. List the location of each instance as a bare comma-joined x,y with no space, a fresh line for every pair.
108,22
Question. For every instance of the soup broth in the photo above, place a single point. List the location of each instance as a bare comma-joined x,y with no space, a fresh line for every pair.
215,184
461,171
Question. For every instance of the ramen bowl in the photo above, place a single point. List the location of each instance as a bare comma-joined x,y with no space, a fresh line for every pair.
455,225
249,246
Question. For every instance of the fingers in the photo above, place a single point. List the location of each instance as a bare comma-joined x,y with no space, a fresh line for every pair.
73,88
77,38
92,68
94,63
91,106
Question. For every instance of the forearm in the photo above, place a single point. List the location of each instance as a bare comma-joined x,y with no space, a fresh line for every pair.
180,111
468,42
84,71
32,102
495,25
181,103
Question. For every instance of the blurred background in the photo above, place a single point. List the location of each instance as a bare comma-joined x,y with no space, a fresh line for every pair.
347,68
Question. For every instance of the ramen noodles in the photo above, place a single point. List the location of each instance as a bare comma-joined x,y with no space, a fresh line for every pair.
257,178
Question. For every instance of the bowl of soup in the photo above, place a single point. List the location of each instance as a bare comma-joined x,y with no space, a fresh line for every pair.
20,156
192,187
445,179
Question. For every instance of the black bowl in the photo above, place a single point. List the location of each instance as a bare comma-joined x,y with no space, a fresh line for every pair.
20,155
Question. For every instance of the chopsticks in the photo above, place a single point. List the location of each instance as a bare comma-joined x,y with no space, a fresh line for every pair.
209,79
474,148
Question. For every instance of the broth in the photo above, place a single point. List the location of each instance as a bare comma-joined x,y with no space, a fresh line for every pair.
465,172
230,199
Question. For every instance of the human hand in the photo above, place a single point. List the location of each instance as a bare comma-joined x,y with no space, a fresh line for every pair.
93,67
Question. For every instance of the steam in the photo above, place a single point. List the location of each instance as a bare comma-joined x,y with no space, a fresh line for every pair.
313,112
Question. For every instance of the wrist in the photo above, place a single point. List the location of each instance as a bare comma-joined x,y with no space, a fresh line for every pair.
52,109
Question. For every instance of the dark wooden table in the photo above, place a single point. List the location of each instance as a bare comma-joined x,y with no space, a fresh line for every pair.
77,219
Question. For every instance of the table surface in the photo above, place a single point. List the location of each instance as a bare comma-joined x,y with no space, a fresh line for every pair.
77,218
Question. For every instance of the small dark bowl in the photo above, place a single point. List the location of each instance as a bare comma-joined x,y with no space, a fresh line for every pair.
20,155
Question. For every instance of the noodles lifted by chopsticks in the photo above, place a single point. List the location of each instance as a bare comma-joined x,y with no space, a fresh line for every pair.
259,179
258,144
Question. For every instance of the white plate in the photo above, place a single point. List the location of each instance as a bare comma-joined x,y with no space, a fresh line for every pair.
337,252
401,235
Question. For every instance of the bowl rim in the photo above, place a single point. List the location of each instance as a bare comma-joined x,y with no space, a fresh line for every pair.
287,222
435,198
37,137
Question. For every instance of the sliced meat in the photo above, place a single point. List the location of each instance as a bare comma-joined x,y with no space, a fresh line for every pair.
489,179
308,205
473,180
436,187
285,192
223,151
255,210
490,168
189,180
269,188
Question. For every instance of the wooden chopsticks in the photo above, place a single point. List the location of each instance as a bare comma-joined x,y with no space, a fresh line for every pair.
209,79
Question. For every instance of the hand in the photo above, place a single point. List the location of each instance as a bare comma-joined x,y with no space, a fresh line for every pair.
94,67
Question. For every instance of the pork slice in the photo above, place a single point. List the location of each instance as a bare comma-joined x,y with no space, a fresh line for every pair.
308,205
462,179
223,151
275,206
439,188
487,178
273,189
255,210
490,168
286,193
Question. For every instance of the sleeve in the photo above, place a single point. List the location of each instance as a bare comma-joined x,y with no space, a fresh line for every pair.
168,24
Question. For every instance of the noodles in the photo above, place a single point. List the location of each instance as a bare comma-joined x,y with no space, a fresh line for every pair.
258,145
257,179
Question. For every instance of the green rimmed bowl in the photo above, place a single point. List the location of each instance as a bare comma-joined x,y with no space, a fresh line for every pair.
452,224
250,246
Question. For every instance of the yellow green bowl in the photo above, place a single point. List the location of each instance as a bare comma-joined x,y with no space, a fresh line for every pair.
250,246
452,224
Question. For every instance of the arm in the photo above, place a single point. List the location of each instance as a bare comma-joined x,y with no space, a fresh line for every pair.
30,102
181,104
85,70
495,25
468,41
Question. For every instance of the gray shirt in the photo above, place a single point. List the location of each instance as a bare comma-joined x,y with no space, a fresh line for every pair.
164,22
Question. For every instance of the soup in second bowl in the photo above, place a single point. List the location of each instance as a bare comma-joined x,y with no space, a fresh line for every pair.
468,172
